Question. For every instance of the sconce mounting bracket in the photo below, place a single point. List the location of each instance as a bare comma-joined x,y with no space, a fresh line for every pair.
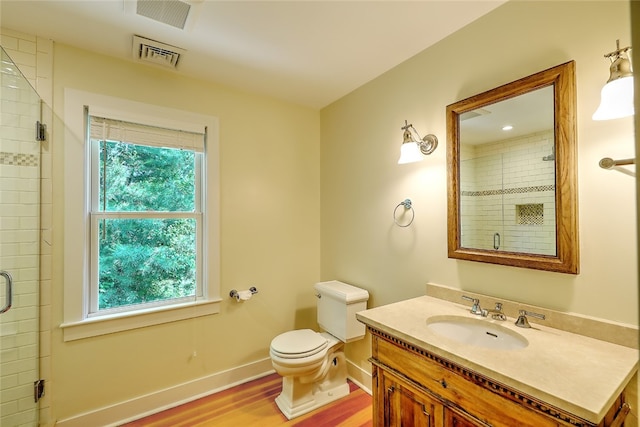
428,144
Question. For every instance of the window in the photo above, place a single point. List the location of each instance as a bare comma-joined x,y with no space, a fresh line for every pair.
141,218
146,216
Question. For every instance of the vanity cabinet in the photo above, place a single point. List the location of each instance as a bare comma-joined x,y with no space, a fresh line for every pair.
414,387
401,404
453,419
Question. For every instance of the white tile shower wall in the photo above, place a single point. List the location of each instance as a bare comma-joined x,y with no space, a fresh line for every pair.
496,178
25,192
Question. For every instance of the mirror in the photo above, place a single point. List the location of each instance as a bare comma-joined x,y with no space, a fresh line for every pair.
512,174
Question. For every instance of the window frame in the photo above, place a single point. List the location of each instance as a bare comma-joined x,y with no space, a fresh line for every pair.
78,321
96,215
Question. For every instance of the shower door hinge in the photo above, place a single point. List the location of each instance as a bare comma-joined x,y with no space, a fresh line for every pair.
38,390
41,131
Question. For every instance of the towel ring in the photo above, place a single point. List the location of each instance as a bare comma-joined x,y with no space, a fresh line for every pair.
406,203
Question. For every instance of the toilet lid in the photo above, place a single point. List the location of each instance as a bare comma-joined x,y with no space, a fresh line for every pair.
298,343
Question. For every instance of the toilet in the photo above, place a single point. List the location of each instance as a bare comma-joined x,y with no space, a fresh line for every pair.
313,364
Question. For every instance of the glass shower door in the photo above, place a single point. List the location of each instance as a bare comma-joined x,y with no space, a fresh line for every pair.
20,110
482,202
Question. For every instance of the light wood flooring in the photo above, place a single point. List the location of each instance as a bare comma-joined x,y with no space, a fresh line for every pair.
253,404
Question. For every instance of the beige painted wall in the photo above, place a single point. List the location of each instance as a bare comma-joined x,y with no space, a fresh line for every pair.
361,182
270,238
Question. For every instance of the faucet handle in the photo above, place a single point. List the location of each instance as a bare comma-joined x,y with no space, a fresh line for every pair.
475,300
475,308
522,318
497,313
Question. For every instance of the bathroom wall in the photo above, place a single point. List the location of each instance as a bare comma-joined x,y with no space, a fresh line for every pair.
361,182
269,174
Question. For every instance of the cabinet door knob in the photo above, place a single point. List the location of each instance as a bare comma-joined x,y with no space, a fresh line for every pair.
443,383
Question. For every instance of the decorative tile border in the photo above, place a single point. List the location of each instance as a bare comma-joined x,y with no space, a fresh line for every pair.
18,159
517,190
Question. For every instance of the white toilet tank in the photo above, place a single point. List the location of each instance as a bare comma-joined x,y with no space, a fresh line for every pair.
338,304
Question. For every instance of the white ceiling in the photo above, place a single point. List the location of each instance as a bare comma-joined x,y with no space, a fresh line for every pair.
308,52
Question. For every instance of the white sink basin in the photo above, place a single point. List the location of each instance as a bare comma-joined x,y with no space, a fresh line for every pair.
476,332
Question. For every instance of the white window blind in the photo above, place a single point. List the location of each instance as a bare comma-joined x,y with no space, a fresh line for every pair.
105,129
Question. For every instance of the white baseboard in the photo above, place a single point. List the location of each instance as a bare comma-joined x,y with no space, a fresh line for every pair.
152,403
359,376
142,406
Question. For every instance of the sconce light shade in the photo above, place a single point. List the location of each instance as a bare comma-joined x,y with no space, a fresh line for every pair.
410,153
414,151
409,150
616,98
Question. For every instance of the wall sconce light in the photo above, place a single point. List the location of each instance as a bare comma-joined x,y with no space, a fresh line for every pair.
617,94
412,150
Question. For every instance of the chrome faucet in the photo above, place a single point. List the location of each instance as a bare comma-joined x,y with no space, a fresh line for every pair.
497,313
522,318
475,307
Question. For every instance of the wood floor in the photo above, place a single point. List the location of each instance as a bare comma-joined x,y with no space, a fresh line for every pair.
252,404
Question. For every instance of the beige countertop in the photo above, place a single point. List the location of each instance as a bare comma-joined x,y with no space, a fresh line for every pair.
573,372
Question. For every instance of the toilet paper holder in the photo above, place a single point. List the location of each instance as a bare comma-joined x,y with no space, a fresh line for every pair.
238,294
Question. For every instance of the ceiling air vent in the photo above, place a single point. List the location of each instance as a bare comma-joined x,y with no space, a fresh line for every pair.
153,52
474,113
171,12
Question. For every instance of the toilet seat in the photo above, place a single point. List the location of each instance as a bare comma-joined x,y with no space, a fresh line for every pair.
298,344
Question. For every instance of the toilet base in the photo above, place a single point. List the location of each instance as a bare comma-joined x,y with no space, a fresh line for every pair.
304,394
304,404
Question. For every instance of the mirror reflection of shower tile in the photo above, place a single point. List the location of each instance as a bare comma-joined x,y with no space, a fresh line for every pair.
530,214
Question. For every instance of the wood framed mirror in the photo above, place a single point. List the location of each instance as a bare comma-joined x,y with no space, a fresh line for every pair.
512,192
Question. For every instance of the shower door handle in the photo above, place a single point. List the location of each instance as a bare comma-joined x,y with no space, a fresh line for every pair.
9,297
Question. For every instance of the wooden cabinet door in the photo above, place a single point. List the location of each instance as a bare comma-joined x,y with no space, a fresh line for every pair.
406,406
453,419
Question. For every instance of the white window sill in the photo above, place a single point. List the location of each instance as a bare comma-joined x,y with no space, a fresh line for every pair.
109,324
